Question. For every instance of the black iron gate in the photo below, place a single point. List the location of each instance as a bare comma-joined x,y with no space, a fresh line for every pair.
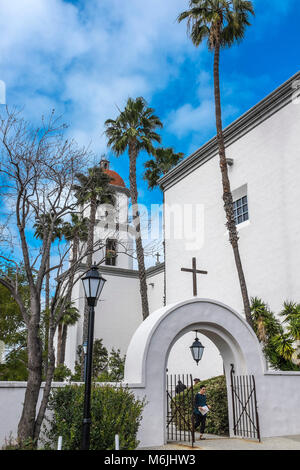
244,406
180,405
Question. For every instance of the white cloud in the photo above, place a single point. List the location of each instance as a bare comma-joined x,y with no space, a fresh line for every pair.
188,119
237,91
86,58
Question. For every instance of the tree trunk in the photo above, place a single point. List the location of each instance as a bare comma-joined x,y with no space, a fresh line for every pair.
26,427
63,344
227,195
48,382
51,353
47,310
137,224
59,342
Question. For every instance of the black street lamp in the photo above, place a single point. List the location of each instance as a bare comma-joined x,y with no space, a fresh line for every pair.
93,284
197,349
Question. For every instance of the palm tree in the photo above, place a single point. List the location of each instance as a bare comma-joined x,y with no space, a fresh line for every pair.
260,315
42,227
92,189
75,232
291,312
265,323
165,159
70,316
222,23
134,130
284,346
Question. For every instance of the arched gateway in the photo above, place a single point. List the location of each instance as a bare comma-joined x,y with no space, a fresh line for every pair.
147,356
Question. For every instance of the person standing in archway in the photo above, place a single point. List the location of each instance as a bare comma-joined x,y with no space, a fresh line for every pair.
200,411
180,387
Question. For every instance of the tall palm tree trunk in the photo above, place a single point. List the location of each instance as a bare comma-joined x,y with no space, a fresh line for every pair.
137,224
227,195
62,337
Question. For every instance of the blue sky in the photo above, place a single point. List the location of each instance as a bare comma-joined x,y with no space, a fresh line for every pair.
85,58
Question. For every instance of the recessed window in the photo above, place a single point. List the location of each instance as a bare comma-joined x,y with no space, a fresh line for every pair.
111,255
241,212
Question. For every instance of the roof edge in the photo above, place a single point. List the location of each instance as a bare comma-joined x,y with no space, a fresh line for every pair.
263,110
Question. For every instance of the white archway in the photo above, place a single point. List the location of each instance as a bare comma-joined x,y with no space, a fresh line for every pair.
148,352
150,346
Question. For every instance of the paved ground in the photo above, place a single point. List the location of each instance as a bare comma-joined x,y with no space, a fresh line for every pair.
223,443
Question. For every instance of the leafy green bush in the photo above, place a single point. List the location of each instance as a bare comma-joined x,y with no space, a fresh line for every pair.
113,410
107,367
216,393
16,444
61,373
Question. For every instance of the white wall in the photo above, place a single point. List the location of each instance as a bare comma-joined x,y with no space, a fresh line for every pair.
11,406
155,284
277,393
117,315
267,160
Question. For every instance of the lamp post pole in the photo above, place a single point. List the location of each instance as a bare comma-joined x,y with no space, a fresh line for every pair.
86,428
93,284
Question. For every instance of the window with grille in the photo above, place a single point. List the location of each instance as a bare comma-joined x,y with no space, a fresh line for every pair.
111,255
241,212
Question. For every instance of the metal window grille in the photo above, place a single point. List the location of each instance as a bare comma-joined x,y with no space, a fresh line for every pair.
241,211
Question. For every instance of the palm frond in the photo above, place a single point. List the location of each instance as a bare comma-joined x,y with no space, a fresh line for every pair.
204,15
136,123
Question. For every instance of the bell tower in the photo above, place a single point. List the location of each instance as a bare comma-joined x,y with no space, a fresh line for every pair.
117,240
104,163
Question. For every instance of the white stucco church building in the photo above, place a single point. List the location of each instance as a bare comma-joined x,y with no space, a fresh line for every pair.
263,148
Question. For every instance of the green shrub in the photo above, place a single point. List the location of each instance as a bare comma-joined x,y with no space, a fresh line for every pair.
217,418
216,393
113,410
16,444
61,373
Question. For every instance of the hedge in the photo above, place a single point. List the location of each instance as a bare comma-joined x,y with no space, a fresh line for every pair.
216,393
114,410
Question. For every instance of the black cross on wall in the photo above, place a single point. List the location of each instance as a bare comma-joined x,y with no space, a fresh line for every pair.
195,271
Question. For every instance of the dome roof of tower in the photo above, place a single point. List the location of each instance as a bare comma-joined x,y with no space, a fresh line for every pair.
116,179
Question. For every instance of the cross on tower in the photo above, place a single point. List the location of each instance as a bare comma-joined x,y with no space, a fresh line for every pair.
195,271
157,258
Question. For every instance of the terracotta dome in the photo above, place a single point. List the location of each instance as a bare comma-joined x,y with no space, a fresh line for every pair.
116,179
